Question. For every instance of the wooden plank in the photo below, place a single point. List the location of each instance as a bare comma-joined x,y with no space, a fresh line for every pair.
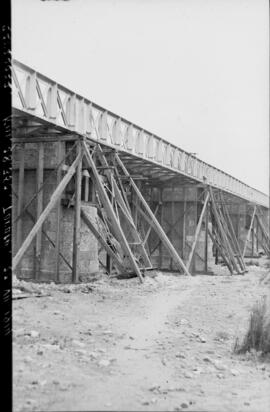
157,226
110,212
77,218
102,241
60,153
265,240
86,177
55,196
163,237
184,223
150,227
160,254
39,176
260,242
206,239
173,220
233,235
223,235
197,232
125,210
220,251
20,197
45,233
249,230
44,182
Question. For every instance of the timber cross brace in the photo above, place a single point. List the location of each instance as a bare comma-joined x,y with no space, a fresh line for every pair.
91,189
134,236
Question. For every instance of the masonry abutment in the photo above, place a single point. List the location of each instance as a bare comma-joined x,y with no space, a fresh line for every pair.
55,238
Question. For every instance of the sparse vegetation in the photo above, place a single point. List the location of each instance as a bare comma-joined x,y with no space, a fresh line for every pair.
258,335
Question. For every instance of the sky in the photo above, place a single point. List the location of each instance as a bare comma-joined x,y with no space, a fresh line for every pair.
194,72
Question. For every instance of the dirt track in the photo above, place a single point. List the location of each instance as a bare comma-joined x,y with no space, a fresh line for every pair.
119,345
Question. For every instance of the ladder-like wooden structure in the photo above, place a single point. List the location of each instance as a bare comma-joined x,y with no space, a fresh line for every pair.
221,233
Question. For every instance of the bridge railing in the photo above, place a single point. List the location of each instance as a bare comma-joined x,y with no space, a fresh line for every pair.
40,96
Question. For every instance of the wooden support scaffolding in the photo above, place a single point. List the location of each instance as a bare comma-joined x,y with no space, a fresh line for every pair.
39,174
249,231
20,197
53,200
77,217
197,232
157,227
104,242
110,212
224,237
125,210
60,150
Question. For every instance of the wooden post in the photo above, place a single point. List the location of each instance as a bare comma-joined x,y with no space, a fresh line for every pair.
39,174
206,239
249,230
109,210
55,196
252,240
156,225
197,232
184,224
126,211
218,248
86,176
173,220
161,222
228,223
102,241
20,197
150,227
77,218
60,153
223,235
44,233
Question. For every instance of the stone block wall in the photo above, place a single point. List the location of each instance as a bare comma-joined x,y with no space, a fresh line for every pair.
88,254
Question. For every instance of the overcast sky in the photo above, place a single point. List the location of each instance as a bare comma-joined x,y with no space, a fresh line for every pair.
194,72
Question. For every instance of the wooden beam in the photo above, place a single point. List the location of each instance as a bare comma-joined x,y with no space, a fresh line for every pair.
249,230
233,235
206,239
44,233
39,174
150,227
223,236
214,240
60,152
184,223
109,210
53,200
102,241
20,197
77,218
125,211
156,224
197,232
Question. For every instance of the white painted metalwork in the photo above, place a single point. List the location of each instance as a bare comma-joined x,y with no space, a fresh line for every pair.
36,94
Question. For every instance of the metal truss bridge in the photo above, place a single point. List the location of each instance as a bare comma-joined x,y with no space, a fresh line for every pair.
46,108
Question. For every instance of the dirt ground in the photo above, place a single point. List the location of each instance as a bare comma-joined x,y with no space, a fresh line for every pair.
119,345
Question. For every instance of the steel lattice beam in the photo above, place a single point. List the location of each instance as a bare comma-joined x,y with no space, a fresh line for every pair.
39,98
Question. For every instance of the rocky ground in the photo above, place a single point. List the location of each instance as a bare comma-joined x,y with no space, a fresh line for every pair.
119,345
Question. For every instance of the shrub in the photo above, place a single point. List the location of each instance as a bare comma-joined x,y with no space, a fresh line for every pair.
258,334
